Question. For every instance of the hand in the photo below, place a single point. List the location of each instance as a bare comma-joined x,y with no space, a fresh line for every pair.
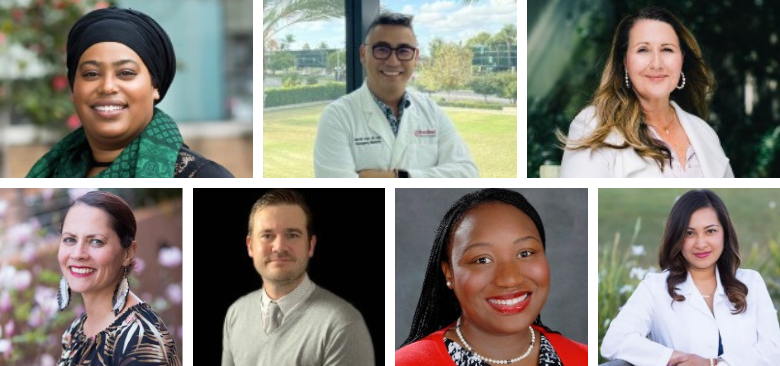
687,359
373,173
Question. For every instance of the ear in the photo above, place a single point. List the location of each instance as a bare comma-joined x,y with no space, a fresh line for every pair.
445,267
312,244
249,245
363,53
156,94
130,253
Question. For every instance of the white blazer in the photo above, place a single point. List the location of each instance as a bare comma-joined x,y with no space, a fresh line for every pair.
626,163
354,134
650,327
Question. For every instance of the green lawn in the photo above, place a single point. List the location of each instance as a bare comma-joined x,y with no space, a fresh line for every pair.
288,141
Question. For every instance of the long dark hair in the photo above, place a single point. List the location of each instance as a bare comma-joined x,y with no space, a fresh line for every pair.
671,256
438,307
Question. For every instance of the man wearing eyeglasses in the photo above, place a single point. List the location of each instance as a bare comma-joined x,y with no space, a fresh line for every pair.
383,130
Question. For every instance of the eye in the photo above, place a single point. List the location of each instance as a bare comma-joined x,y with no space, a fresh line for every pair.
668,49
266,236
96,242
642,50
690,233
68,240
90,74
483,260
711,231
127,73
526,254
293,235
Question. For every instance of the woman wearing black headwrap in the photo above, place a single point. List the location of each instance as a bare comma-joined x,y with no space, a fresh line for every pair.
120,65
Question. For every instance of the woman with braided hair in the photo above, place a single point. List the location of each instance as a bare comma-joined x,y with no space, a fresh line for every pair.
486,283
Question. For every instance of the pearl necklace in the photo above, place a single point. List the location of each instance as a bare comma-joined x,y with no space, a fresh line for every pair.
490,360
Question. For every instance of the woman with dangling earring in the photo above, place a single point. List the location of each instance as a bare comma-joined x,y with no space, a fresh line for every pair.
96,254
486,284
647,117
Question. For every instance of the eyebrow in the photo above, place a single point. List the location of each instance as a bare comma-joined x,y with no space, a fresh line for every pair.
706,227
481,244
662,44
64,233
288,230
389,45
115,63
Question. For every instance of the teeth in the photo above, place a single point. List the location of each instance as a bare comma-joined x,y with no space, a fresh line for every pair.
392,73
508,302
109,108
82,270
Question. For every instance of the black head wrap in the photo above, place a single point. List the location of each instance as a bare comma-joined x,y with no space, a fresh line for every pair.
131,28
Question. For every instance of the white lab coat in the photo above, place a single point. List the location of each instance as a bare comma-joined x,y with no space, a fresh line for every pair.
626,163
354,134
751,338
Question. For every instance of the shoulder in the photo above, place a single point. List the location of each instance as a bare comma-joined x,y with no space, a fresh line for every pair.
426,351
144,327
190,164
338,310
248,302
749,277
571,352
584,123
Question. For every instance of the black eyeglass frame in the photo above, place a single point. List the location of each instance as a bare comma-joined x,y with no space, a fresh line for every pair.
392,51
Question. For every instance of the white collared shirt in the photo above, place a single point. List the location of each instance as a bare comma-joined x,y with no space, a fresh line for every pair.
650,326
287,303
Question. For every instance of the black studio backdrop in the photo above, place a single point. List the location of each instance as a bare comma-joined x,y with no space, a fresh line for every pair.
348,258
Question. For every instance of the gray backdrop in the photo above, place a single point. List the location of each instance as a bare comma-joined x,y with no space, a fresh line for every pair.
564,213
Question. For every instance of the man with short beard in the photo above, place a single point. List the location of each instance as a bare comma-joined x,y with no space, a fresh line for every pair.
290,320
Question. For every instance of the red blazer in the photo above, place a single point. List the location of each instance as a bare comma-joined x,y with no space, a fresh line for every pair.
431,351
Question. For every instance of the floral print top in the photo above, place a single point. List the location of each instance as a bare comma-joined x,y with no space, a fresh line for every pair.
463,357
137,337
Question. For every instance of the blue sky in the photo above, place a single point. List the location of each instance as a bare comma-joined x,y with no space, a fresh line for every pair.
450,20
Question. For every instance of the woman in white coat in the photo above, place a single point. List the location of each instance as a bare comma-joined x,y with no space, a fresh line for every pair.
702,309
647,116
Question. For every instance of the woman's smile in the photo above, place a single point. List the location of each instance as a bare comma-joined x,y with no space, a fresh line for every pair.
510,304
77,271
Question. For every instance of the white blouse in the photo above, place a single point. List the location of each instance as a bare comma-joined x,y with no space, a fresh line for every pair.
650,327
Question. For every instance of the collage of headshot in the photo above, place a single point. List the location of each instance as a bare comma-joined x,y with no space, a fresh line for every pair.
484,259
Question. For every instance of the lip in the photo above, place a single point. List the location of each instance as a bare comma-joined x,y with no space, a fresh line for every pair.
656,78
513,308
74,274
400,72
702,255
109,114
280,260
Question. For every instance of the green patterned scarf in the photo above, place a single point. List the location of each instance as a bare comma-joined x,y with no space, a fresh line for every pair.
152,154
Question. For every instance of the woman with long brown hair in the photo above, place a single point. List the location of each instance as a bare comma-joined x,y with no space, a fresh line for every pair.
647,118
702,309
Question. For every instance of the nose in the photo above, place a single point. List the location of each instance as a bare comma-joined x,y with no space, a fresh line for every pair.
393,59
79,252
655,62
508,275
108,86
278,244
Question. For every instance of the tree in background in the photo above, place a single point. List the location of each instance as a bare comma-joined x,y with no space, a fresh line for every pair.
739,43
449,67
280,14
281,61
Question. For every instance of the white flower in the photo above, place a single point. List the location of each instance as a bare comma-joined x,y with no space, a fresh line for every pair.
5,345
626,288
606,322
22,280
772,205
638,250
638,273
169,256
